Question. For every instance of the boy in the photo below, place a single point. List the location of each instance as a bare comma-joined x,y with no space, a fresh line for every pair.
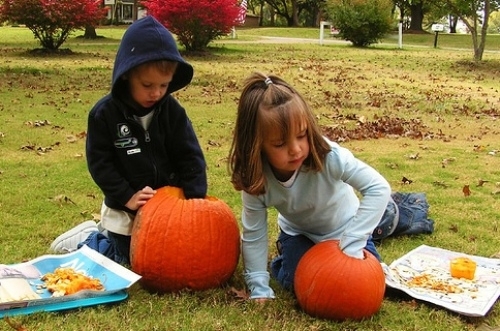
139,138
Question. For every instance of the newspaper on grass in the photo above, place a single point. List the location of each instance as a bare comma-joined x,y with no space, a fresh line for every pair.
432,265
21,284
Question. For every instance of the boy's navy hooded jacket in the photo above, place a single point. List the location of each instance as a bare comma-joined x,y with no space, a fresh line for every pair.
122,157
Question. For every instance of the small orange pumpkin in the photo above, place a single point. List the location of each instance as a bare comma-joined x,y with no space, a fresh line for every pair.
332,285
180,243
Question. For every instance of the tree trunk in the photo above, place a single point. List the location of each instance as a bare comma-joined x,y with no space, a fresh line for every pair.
90,32
479,50
453,21
295,13
476,22
261,15
417,16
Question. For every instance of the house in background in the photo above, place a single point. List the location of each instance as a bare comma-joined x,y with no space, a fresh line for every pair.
123,11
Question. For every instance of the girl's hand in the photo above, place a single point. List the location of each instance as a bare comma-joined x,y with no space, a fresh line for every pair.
261,300
140,198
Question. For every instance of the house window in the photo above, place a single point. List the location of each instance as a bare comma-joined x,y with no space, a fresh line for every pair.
127,12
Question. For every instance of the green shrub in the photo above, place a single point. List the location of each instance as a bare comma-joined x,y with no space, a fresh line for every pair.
362,22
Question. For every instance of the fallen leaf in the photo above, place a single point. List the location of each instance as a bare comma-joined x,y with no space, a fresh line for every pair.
439,183
447,161
61,198
478,148
71,138
392,165
16,326
239,294
485,327
481,182
81,135
214,143
406,180
466,190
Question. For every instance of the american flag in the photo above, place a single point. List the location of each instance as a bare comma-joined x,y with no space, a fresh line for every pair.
243,12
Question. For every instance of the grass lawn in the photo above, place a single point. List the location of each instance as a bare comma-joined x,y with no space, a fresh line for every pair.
452,103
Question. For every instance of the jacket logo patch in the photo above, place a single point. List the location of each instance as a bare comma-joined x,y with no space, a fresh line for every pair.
126,142
123,130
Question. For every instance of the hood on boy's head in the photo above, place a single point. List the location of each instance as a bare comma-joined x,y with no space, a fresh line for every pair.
148,40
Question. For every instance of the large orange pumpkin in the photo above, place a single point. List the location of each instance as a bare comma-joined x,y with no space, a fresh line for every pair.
332,285
180,243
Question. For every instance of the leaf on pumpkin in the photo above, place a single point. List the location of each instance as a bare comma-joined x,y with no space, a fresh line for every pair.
466,190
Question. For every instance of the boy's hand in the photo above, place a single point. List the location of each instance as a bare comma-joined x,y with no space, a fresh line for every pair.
140,198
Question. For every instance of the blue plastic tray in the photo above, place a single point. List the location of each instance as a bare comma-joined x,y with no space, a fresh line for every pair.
60,306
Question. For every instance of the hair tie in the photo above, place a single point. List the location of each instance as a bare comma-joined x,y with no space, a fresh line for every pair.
268,81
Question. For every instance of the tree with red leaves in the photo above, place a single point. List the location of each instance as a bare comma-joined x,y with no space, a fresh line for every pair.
51,21
195,23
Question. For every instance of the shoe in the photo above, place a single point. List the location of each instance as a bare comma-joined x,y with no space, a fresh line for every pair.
69,240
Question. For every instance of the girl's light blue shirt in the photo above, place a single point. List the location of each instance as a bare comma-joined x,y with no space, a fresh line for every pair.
320,205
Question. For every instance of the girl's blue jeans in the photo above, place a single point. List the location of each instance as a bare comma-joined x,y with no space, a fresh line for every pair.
405,214
291,249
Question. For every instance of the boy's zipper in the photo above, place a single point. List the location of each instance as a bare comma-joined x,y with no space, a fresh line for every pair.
147,139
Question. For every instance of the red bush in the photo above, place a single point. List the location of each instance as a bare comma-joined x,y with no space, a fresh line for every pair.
51,21
195,23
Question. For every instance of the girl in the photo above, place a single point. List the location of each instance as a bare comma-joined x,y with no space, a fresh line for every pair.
280,159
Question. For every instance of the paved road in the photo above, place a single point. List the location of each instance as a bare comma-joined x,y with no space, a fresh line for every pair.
283,40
